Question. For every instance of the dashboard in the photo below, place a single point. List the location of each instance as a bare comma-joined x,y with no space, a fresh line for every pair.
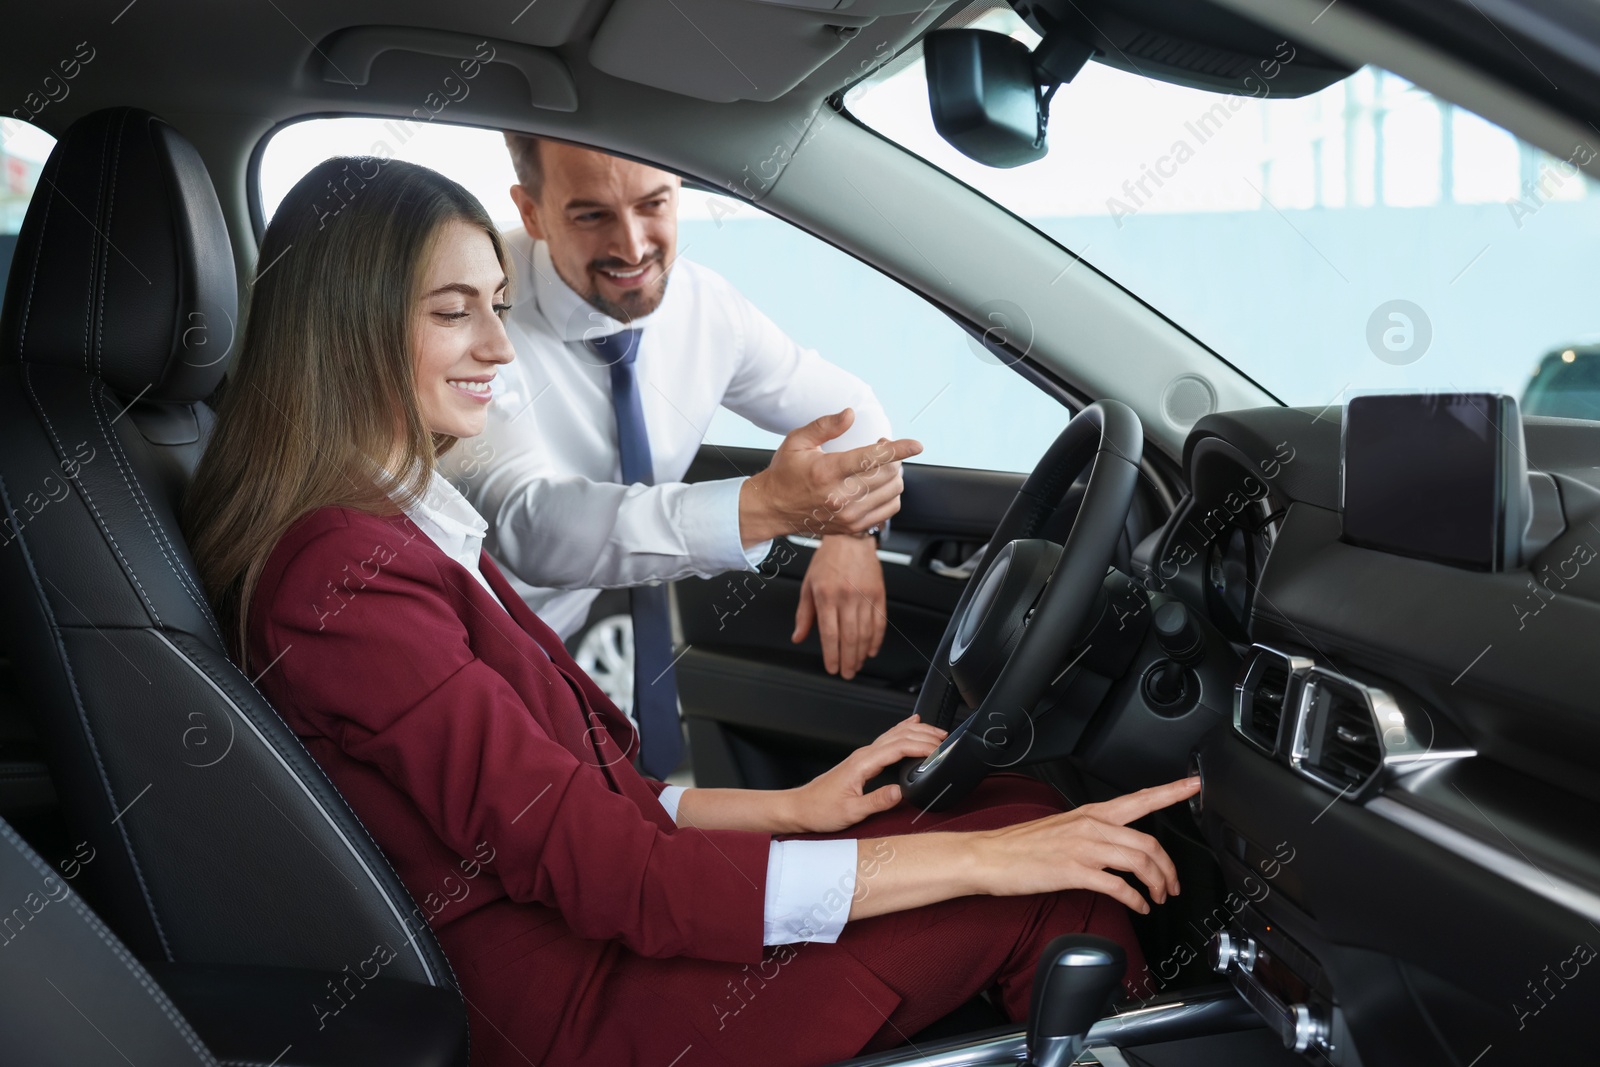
1421,741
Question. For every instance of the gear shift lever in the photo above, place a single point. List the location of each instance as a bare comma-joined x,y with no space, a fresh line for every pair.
1077,976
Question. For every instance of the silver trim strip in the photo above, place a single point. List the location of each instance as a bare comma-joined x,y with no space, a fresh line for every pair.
1012,1046
1515,869
1005,1048
411,939
1107,1056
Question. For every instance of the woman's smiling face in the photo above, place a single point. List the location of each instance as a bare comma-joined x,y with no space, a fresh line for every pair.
457,331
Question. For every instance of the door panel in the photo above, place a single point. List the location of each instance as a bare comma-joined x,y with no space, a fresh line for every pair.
762,712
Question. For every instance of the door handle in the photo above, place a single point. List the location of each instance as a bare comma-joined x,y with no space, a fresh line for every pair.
961,571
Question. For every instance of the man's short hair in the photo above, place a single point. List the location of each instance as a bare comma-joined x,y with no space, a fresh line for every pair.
524,149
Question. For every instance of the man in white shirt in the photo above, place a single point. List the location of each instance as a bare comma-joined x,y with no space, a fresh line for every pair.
617,369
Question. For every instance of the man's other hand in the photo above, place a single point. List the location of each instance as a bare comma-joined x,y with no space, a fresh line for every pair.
809,492
843,594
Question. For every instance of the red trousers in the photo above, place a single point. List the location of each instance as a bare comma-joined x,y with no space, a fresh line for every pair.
939,956
808,1003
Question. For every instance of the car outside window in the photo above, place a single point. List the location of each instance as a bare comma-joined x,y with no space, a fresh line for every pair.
929,373
23,151
1366,237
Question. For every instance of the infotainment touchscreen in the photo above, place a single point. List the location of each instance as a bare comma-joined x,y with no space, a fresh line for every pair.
1438,476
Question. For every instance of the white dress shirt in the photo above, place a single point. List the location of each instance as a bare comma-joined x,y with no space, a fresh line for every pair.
452,523
545,472
809,883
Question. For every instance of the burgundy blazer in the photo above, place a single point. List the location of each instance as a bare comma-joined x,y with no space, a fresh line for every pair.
497,779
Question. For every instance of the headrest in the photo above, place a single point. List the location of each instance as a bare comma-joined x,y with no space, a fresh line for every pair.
123,265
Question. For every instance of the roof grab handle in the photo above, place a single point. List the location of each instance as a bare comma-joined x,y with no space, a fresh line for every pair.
348,55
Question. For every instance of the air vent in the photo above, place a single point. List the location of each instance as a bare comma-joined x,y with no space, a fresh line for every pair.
1267,708
1336,735
1263,695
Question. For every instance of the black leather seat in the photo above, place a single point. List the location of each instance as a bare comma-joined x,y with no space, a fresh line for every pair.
60,966
217,840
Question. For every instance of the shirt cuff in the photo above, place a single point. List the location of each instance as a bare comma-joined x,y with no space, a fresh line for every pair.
718,528
669,798
809,888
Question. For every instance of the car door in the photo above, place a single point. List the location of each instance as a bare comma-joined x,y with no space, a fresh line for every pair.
761,711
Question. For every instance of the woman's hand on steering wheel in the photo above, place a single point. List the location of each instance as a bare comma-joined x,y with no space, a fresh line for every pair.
1079,849
837,798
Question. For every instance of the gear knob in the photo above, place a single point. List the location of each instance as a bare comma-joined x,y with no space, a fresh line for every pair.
1078,975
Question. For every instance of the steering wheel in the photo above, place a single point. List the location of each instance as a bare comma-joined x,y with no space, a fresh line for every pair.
1028,598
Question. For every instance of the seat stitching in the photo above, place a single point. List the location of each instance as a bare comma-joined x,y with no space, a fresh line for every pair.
136,491
83,491
93,921
155,992
83,718
33,279
96,249
106,205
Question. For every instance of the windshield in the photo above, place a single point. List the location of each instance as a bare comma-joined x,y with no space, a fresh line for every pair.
1369,236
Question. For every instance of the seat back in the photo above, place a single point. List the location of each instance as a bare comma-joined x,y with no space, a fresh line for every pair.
216,838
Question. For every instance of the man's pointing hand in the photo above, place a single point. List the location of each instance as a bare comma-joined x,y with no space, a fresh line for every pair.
809,492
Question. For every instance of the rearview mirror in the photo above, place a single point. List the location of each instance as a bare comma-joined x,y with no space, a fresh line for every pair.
985,96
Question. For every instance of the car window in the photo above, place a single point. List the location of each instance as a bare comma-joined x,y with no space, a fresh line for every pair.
1367,236
931,376
929,373
23,151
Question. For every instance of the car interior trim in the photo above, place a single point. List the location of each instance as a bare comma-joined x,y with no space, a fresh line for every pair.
348,56
1516,869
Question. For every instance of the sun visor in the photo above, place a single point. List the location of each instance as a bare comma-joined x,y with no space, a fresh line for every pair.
727,50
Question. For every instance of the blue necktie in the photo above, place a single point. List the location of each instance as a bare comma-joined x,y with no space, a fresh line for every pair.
655,690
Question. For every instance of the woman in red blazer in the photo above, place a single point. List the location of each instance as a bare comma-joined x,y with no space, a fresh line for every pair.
583,923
